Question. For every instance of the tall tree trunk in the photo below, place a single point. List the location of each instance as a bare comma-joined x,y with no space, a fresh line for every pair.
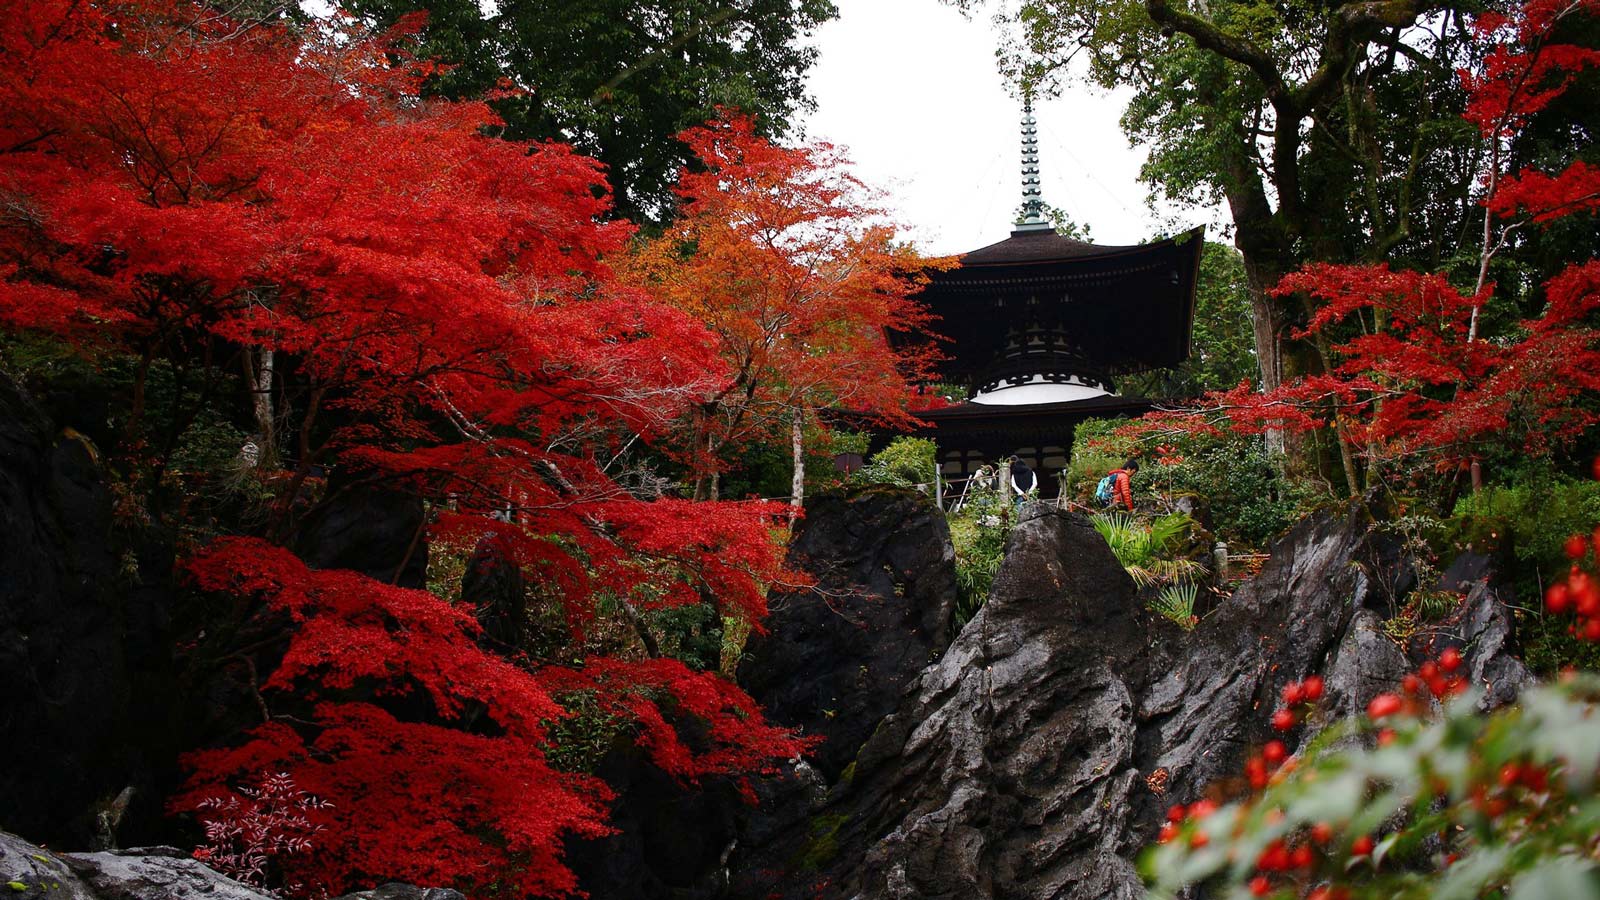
1347,457
1265,328
258,372
1268,256
705,481
797,489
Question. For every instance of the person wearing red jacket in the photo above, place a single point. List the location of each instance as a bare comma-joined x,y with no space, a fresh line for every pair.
1122,484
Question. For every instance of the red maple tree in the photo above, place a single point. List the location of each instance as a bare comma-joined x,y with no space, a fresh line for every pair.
425,305
781,255
1417,383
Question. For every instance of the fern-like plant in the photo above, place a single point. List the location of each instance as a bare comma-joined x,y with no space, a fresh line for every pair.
1146,552
1176,602
1143,549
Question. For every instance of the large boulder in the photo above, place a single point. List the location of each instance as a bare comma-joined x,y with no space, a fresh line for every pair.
29,872
670,838
85,640
1211,704
836,659
838,655
1482,628
150,873
1036,757
377,530
398,891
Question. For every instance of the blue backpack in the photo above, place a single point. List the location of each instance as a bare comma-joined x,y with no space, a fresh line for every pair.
1106,489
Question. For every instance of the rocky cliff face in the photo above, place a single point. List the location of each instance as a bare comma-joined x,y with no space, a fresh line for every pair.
837,656
1036,757
85,639
97,700
1030,756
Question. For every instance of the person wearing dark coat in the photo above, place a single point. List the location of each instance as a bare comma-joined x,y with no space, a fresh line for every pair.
1023,481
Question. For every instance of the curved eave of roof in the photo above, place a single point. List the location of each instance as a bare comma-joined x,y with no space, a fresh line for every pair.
1045,247
1137,300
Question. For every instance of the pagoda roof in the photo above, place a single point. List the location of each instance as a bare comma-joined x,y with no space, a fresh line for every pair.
1132,307
1037,246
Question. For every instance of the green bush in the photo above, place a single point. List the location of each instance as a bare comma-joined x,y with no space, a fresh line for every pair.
1154,555
1096,450
978,532
1539,516
1147,551
1538,512
1176,603
1232,477
906,461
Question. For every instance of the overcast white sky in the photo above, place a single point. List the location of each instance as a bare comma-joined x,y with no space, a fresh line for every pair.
910,87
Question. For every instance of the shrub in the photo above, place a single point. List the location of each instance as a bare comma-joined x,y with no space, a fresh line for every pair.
978,532
248,830
1464,805
1248,502
1176,603
1538,513
906,461
1148,552
1097,448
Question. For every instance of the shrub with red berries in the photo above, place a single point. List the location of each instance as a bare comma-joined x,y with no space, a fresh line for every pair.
1579,593
1434,799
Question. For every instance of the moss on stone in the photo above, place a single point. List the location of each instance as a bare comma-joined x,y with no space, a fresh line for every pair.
823,845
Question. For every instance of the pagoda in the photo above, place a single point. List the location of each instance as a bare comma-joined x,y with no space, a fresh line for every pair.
1039,326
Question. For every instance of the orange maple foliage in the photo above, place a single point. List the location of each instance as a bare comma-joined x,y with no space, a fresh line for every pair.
780,253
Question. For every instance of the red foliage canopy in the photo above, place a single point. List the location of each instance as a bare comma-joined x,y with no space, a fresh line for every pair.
171,178
463,794
1415,381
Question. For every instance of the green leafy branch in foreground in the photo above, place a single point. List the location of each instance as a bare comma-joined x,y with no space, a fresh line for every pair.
1459,805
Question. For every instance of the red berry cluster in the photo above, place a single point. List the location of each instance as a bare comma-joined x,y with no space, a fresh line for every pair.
1580,593
1298,696
1285,860
1516,783
1441,679
1178,813
1313,852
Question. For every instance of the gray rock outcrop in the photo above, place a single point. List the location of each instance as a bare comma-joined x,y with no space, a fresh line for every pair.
1483,630
86,639
29,872
1037,756
398,891
837,656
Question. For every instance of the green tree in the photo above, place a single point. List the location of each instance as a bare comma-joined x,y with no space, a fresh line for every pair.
619,79
1332,131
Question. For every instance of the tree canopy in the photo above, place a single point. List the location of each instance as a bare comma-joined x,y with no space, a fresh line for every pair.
619,80
184,191
798,279
1285,112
